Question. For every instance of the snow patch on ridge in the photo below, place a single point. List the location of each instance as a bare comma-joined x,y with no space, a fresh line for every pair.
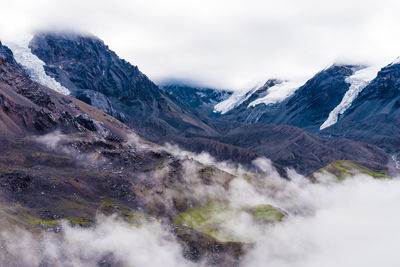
33,66
233,101
278,93
358,81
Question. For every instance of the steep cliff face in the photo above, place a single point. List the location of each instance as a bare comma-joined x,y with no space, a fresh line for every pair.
96,75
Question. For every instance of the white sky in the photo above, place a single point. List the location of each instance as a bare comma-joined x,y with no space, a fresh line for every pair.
222,43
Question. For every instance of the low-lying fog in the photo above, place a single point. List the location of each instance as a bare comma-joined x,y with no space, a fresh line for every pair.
350,223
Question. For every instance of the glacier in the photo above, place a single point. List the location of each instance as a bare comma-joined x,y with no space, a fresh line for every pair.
358,81
233,101
278,93
33,66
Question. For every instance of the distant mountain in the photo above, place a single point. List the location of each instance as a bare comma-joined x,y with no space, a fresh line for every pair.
308,107
201,100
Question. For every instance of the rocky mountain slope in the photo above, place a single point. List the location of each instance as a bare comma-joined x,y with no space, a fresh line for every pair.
65,161
96,75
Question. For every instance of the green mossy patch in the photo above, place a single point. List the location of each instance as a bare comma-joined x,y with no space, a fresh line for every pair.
5,170
111,206
208,220
212,218
78,221
266,213
342,169
41,222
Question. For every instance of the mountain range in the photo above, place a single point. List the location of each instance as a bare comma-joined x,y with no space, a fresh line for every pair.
81,127
95,75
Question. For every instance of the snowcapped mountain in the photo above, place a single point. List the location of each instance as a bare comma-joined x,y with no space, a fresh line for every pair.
374,115
96,75
313,105
305,104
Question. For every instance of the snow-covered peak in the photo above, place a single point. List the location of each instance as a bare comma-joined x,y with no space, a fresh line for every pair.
233,101
278,93
358,81
33,66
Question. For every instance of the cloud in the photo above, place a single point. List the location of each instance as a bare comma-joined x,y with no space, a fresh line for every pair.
230,44
69,145
353,224
330,223
148,245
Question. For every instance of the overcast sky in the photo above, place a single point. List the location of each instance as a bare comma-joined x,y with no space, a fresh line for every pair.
223,43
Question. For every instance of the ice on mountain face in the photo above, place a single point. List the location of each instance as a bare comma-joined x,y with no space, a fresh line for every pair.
278,93
233,101
33,66
358,81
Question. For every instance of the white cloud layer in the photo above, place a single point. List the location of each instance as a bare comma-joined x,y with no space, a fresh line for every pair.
350,223
231,44
354,224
